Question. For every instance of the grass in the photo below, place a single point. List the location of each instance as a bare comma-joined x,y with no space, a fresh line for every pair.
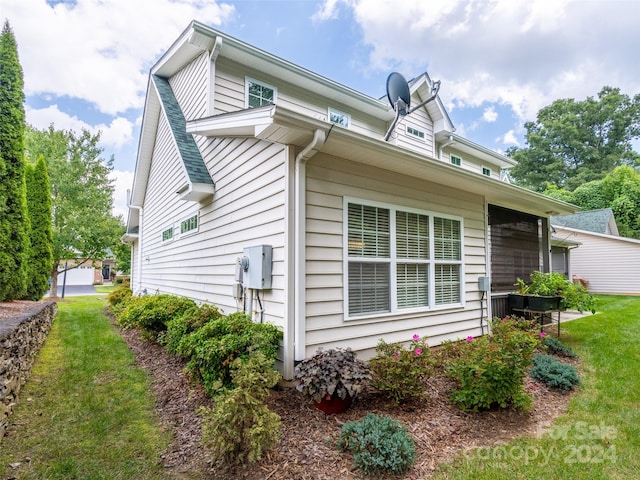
87,411
599,437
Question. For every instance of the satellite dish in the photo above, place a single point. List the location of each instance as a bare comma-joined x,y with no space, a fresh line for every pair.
398,93
399,97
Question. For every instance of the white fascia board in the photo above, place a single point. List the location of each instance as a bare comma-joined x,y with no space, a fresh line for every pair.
476,150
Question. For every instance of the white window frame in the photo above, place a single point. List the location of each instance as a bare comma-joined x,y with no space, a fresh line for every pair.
166,229
416,133
393,261
486,171
248,81
457,157
338,113
193,230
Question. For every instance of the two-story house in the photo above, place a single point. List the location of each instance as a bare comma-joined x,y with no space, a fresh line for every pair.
365,238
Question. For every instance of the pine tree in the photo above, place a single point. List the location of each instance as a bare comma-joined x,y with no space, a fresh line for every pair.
39,208
13,215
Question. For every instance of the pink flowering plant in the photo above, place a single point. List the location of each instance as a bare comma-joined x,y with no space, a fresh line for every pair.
490,370
400,372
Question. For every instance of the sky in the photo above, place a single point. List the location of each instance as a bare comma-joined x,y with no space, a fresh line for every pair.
86,62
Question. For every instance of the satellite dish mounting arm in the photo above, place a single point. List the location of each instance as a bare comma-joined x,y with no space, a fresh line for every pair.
434,93
401,110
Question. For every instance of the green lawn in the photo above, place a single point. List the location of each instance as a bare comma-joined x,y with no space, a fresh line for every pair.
87,411
599,437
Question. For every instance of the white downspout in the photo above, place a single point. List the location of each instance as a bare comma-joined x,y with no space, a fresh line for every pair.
445,144
139,241
319,137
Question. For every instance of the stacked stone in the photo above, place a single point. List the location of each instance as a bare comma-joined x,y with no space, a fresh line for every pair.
20,339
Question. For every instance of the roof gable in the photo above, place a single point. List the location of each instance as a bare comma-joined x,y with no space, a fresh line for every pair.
597,221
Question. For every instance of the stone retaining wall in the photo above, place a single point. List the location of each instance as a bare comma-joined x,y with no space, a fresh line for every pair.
20,339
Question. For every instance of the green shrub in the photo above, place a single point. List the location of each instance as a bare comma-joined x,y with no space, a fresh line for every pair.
240,427
118,299
400,373
550,371
557,347
490,370
152,313
378,444
189,322
211,349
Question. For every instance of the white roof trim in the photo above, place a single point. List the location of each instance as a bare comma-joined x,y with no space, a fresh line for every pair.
600,235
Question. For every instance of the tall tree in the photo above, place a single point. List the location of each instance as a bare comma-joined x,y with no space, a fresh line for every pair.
41,236
81,193
13,215
574,142
619,190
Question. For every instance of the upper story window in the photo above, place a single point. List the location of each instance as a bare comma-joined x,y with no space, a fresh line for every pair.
455,160
189,225
339,118
414,132
398,259
167,234
259,93
486,171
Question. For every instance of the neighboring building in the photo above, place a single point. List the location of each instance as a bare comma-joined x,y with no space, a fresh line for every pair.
606,261
368,238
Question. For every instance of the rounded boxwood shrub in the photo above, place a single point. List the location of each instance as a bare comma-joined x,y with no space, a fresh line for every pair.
189,322
152,313
379,444
554,373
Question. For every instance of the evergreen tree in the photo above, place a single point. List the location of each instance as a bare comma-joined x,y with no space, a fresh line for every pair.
39,208
13,214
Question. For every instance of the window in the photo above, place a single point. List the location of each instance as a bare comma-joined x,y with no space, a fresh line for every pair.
339,118
259,94
486,171
167,234
400,259
455,160
189,224
415,132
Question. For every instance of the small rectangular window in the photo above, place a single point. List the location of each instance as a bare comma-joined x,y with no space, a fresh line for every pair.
486,171
339,118
455,160
189,224
415,132
167,234
259,94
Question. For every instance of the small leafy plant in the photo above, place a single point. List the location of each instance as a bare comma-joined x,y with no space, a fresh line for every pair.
189,322
240,427
334,371
554,373
574,296
119,298
379,444
490,370
151,313
558,347
400,373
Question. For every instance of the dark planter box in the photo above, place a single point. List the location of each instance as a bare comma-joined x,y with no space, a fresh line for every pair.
517,300
541,303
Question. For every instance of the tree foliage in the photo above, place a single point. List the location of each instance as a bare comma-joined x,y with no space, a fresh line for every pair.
574,142
619,190
41,236
81,193
14,224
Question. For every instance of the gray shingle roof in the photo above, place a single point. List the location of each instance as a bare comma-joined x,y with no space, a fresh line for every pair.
189,151
595,221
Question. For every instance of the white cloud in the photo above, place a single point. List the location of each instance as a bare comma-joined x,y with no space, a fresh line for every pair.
490,115
510,138
100,50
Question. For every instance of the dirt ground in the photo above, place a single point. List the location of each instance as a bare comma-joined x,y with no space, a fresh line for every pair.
305,451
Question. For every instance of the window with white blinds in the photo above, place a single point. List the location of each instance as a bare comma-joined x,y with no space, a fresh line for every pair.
400,259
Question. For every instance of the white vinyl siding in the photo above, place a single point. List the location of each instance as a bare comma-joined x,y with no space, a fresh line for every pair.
390,262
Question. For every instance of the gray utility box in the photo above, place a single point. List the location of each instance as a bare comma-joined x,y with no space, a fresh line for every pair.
257,275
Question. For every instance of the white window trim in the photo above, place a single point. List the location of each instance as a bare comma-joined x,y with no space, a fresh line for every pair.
393,261
331,110
452,156
248,80
483,168
188,232
173,235
422,138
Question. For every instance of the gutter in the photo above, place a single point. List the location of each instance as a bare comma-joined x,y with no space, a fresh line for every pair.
319,138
